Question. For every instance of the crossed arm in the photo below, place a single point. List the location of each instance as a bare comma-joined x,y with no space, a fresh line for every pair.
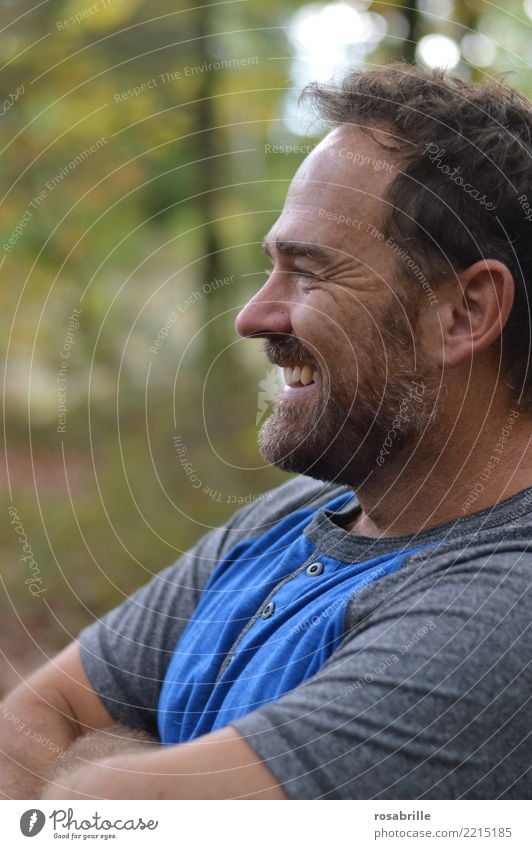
216,766
57,741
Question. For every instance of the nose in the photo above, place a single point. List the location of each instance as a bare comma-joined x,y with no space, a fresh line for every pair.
268,312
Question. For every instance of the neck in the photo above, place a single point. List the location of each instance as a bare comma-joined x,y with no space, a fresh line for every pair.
462,465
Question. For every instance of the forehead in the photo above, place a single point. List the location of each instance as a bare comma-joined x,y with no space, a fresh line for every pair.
336,195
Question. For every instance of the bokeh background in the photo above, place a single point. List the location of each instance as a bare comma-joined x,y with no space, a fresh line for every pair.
145,151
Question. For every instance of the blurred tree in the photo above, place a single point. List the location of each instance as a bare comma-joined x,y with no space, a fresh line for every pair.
413,18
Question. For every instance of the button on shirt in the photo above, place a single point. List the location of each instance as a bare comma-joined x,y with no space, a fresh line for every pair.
272,613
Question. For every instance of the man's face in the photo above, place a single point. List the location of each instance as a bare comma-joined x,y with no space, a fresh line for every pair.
335,317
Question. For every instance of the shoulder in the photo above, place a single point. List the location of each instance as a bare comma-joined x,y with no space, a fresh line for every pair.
460,579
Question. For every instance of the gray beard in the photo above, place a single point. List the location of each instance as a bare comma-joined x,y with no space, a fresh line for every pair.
344,437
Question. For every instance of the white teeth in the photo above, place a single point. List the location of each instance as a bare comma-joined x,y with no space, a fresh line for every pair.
299,374
306,375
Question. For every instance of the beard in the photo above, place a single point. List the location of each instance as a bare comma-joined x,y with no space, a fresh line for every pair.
349,429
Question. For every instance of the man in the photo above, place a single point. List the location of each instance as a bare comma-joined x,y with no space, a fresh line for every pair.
322,644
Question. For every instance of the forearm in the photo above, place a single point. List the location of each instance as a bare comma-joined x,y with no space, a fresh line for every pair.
87,753
34,734
220,765
40,720
120,776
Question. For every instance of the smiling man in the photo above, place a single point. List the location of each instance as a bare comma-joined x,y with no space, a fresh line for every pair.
327,644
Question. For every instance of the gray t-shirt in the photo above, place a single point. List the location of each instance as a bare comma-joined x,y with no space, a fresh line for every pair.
427,696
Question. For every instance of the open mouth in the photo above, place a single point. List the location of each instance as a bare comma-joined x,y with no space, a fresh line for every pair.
298,376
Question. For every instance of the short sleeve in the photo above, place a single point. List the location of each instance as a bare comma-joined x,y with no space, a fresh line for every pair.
125,653
428,696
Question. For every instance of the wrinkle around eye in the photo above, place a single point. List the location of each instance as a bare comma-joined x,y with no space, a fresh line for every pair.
296,272
308,275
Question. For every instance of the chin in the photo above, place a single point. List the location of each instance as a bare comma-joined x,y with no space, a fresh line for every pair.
341,446
319,452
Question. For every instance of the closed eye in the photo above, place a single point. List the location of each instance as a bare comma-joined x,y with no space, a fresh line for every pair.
307,275
300,272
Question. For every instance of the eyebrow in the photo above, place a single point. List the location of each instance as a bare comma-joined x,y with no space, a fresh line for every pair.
294,250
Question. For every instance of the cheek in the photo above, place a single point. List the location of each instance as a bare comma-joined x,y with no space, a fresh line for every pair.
321,316
331,341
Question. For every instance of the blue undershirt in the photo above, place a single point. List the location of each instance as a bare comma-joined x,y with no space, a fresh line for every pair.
271,614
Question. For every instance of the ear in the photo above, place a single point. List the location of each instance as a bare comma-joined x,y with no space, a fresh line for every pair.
474,309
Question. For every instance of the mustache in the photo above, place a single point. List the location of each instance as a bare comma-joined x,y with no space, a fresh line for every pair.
288,350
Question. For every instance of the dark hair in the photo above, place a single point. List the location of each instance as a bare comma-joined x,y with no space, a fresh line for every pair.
464,188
